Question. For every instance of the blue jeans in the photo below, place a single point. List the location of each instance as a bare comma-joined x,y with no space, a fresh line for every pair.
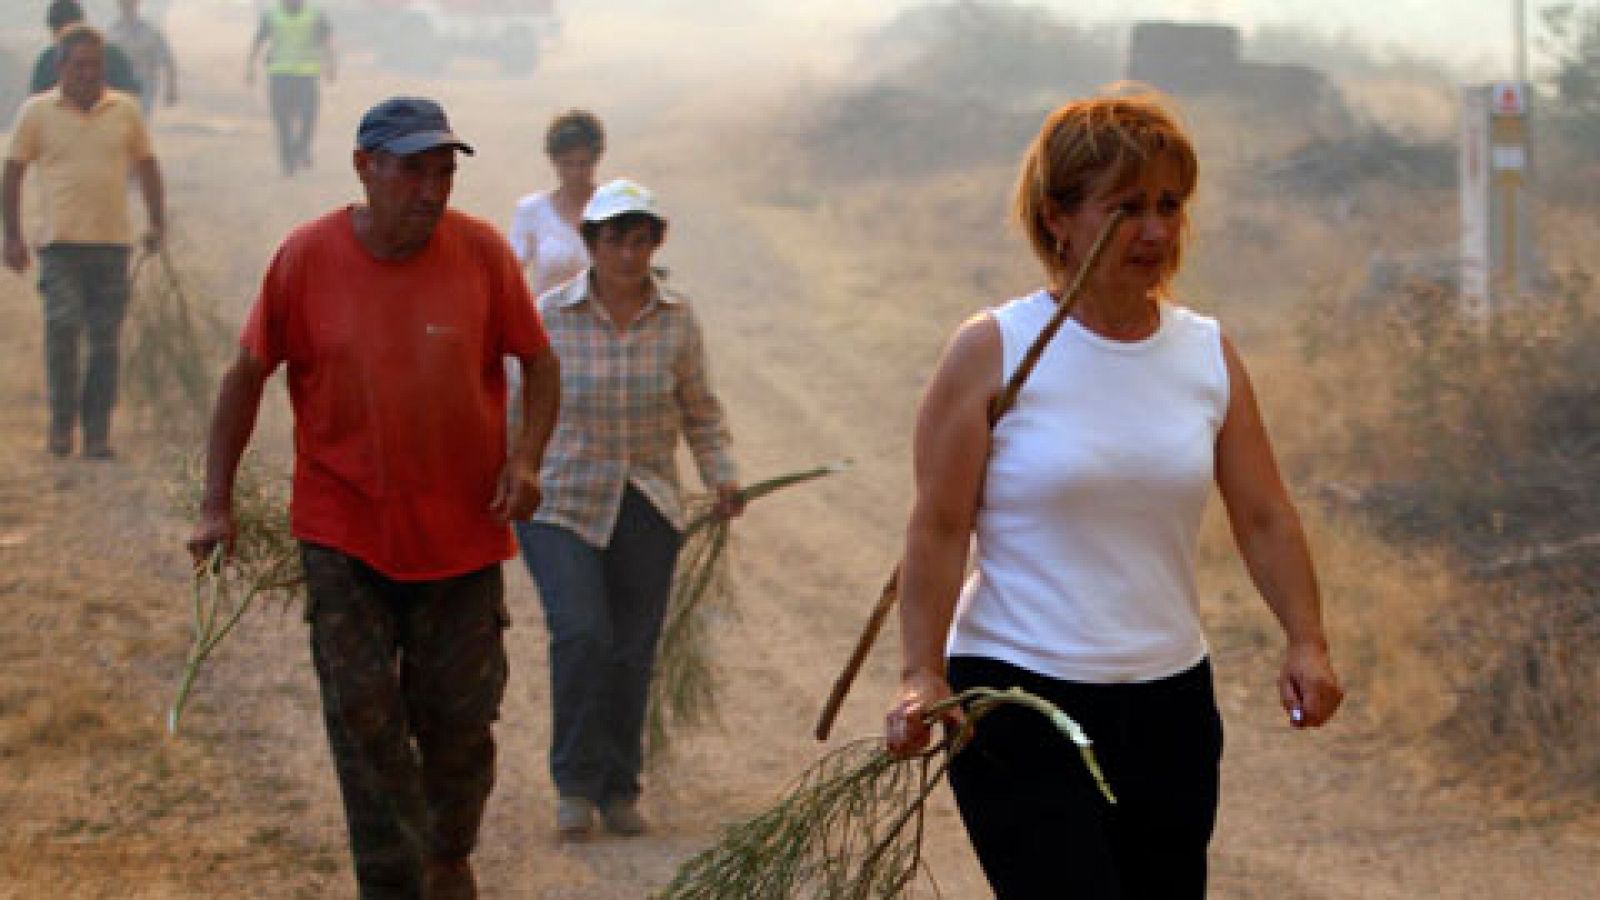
603,607
85,289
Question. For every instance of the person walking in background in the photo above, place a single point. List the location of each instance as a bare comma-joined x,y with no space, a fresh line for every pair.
87,141
602,547
392,318
1085,500
544,228
299,50
58,16
153,64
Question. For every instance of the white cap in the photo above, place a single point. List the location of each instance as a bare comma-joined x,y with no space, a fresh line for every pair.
619,197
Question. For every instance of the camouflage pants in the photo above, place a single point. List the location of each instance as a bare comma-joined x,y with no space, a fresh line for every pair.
412,674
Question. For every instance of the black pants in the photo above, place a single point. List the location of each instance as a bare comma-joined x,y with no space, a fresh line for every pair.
1040,826
412,674
294,100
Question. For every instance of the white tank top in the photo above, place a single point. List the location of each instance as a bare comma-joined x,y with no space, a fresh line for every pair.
538,232
1092,500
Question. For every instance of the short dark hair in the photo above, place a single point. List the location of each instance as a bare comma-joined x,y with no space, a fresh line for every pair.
63,12
575,129
622,225
76,34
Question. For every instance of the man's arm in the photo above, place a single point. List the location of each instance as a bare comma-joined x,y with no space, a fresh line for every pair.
16,251
263,34
518,494
154,192
1266,528
232,423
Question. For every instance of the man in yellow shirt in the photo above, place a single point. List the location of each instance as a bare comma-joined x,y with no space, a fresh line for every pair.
86,140
299,45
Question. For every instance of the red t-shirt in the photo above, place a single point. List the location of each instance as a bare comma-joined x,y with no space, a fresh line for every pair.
398,388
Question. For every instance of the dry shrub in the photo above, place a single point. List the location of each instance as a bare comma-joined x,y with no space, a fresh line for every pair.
949,85
1326,165
1487,440
1484,442
994,48
1528,672
885,129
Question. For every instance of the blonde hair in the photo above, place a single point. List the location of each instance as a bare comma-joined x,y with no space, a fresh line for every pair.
1086,142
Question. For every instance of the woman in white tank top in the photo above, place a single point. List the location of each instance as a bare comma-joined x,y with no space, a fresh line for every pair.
1085,501
544,228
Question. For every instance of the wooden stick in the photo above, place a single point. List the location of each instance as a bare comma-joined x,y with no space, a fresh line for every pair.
1008,397
869,636
1002,403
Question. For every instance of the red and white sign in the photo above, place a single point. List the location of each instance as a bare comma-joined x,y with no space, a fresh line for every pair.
1510,98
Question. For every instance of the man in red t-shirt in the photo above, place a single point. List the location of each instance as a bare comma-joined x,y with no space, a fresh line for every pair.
392,319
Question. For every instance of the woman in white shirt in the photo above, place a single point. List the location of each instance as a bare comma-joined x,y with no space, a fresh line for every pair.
1085,500
544,228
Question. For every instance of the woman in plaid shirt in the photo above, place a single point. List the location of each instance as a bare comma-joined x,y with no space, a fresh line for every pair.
605,539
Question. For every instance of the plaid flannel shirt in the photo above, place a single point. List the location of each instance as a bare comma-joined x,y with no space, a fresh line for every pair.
626,396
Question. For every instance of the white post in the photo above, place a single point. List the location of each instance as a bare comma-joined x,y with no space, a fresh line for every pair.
1519,34
1477,241
1499,262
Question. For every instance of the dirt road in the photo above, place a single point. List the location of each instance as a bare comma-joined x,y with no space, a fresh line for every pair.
819,342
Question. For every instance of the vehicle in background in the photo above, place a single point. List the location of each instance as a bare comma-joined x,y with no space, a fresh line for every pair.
424,36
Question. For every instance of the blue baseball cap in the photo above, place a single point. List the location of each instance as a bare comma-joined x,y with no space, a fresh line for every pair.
407,125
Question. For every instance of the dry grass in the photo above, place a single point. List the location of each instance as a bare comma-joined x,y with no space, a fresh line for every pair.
1478,449
101,803
683,692
175,344
263,562
683,686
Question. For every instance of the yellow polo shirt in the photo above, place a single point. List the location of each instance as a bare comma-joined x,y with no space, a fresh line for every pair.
84,160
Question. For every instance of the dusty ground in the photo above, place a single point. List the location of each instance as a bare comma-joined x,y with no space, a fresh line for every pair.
819,341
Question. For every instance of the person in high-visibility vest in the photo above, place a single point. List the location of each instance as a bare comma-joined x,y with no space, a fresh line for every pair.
299,50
